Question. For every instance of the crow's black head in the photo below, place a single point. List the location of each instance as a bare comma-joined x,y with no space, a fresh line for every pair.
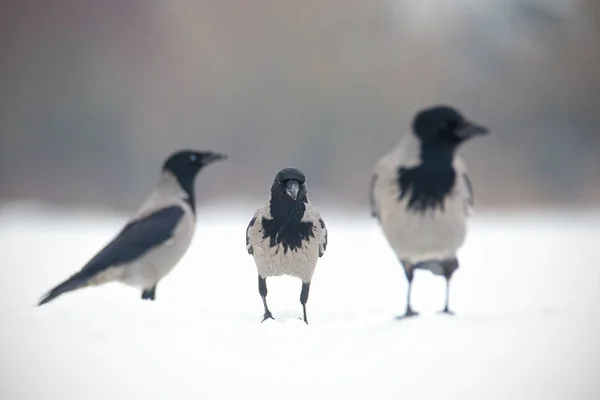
287,207
187,163
444,126
289,186
440,129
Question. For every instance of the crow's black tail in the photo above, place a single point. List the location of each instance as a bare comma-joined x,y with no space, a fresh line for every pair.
74,282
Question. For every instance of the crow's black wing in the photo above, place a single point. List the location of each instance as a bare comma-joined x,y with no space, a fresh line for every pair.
372,196
135,239
323,245
248,245
469,186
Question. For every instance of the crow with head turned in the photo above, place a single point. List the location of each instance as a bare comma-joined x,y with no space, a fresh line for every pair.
150,245
421,194
286,236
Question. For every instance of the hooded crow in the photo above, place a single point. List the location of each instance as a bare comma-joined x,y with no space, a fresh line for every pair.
154,240
421,194
286,236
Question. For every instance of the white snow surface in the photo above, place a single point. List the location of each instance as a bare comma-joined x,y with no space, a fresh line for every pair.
527,302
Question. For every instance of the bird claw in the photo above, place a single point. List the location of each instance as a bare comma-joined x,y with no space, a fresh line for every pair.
408,314
267,316
447,312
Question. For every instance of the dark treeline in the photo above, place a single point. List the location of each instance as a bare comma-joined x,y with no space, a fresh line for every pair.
94,94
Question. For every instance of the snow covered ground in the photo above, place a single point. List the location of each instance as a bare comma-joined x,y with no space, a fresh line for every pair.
527,299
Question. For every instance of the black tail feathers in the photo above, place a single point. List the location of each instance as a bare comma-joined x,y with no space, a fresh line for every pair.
73,283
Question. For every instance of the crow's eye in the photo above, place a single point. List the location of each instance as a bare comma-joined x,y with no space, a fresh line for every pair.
193,158
448,125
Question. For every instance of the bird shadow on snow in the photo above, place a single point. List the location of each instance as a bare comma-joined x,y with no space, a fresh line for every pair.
487,317
287,319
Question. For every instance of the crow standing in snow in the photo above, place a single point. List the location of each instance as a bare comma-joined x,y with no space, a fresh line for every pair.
155,239
286,236
421,194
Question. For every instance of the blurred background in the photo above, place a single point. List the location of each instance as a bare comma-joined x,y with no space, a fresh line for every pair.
94,95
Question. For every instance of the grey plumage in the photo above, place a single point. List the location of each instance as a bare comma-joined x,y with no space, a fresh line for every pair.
286,236
156,237
421,194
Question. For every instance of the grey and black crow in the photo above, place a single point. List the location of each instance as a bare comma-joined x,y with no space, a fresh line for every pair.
421,194
286,236
150,245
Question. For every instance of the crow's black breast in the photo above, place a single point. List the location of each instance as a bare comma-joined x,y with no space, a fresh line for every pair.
289,233
426,185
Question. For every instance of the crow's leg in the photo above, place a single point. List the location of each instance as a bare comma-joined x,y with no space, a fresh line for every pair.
409,271
304,298
262,289
449,266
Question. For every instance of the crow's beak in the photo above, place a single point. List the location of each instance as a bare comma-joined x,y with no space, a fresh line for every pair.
292,188
470,129
213,157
